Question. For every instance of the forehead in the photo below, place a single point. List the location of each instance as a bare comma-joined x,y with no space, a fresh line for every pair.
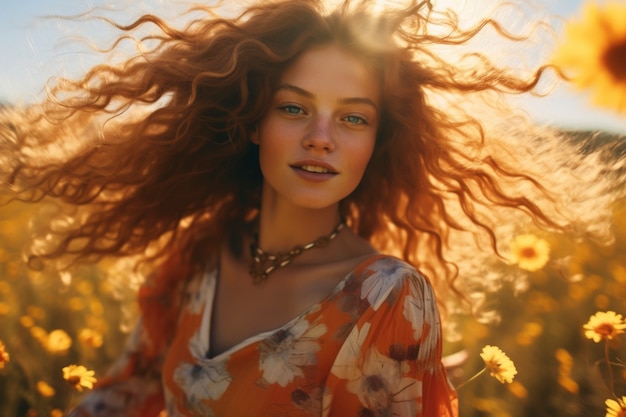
331,70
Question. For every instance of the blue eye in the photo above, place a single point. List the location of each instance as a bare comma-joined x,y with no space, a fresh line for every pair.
355,120
292,109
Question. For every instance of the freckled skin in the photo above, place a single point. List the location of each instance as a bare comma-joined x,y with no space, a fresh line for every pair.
327,109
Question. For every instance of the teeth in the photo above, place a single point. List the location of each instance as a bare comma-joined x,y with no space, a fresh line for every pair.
314,168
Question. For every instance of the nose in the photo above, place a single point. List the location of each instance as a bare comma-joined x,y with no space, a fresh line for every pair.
320,135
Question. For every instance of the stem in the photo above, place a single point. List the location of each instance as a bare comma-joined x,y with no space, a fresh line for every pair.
479,373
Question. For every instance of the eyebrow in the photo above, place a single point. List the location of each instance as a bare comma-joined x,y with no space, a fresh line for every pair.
310,95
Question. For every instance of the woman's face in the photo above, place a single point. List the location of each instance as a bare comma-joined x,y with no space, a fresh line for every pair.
319,134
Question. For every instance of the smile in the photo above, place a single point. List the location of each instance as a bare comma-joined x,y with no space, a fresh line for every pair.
315,171
314,168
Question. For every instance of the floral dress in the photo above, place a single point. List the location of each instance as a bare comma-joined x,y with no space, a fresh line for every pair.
371,348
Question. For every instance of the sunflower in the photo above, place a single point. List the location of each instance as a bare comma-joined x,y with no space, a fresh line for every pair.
604,326
498,364
530,252
4,355
78,377
593,53
45,389
616,408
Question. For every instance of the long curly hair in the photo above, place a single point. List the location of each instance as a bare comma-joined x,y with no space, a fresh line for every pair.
152,154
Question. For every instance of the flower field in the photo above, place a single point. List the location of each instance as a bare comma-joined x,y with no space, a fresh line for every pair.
48,325
557,350
565,335
549,355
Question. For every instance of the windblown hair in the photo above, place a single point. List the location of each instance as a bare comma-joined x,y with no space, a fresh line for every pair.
157,149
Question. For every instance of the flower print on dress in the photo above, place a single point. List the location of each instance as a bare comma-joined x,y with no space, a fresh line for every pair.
288,349
421,319
348,300
424,321
304,401
206,379
348,355
201,382
382,388
377,380
387,275
170,404
308,402
413,310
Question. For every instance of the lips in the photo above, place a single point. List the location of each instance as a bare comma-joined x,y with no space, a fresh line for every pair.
315,167
314,171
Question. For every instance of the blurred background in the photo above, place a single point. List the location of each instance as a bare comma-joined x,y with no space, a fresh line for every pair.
46,324
34,47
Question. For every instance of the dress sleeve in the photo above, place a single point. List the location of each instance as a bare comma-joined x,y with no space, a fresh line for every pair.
133,385
390,364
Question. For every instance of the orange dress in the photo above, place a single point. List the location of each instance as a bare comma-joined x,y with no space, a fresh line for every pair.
371,348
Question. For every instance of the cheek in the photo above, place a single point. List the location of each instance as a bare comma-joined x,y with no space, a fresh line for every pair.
361,156
268,158
270,142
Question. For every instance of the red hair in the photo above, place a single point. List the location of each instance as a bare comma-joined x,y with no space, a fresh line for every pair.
161,148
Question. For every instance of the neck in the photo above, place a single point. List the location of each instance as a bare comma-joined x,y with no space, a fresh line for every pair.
282,228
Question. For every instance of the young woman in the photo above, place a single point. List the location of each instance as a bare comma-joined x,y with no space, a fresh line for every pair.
270,160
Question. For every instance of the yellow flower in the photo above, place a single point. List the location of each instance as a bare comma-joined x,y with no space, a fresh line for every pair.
27,321
498,364
45,389
594,53
58,342
616,408
4,355
76,304
604,326
40,334
90,338
4,309
84,287
568,384
518,390
530,252
566,362
78,377
36,312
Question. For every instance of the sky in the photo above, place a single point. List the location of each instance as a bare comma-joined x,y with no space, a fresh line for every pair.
34,48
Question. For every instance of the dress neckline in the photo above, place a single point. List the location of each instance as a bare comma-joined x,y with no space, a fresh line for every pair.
209,306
